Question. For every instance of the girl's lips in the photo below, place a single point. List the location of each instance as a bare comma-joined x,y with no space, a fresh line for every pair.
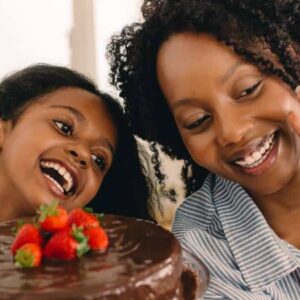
54,189
268,161
53,185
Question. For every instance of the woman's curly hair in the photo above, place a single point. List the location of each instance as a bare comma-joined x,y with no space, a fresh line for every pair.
242,25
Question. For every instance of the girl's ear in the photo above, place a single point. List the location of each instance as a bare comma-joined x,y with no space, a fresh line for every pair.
5,127
297,91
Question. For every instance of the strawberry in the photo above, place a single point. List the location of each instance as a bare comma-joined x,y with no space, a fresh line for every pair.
52,217
29,255
66,244
79,217
97,238
28,233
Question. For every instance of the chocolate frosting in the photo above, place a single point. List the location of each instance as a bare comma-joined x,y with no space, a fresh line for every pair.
143,261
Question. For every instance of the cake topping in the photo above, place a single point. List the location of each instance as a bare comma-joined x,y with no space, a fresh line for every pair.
80,217
28,233
67,236
66,244
52,217
29,255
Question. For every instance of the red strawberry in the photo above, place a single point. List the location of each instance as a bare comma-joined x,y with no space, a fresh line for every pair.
97,238
79,217
29,255
52,217
66,244
28,233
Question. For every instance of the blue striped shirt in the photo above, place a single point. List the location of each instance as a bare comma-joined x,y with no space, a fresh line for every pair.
222,226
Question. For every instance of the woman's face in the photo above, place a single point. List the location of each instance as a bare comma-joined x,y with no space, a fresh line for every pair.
231,117
61,147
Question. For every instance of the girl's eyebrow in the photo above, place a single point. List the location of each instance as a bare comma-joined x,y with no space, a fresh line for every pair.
105,143
72,110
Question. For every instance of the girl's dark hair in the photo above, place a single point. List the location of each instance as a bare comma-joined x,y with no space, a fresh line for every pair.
124,189
242,25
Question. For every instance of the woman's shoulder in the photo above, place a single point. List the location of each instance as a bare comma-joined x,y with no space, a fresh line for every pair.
198,211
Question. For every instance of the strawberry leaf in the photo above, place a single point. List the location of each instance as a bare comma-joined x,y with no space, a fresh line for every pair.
88,209
24,259
100,217
47,210
19,224
82,248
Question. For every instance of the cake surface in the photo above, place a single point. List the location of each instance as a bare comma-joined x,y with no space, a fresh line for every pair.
143,261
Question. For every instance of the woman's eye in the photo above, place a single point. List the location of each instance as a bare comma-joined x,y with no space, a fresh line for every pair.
197,123
64,127
250,90
99,161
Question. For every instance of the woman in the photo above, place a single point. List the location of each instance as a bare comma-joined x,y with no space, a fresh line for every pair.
216,83
63,139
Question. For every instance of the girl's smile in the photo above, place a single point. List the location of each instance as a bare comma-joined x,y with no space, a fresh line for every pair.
60,147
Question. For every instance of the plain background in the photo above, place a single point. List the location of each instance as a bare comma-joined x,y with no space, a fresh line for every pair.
71,33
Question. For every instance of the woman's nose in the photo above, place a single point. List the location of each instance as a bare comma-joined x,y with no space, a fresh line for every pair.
232,128
79,156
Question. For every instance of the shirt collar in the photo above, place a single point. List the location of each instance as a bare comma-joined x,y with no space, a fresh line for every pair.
261,256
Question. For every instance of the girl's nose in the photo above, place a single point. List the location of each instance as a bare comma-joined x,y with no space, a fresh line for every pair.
232,128
79,156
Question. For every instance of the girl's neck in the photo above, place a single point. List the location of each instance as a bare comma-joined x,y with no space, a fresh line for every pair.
10,206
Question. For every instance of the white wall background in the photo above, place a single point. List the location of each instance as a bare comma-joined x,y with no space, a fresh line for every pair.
36,31
110,17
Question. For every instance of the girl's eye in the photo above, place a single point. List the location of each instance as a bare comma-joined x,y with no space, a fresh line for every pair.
99,161
198,122
250,90
64,127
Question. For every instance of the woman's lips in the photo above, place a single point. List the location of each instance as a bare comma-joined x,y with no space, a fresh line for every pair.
267,162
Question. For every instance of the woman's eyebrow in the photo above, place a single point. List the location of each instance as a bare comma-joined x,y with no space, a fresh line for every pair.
72,110
231,71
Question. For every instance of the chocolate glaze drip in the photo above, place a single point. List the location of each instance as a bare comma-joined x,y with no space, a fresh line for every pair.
143,261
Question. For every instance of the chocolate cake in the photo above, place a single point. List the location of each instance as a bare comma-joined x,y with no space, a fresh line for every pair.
143,261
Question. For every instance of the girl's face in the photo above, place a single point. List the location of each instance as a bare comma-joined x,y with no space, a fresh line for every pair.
231,117
61,147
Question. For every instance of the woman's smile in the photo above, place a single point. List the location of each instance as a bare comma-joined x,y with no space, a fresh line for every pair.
259,160
231,117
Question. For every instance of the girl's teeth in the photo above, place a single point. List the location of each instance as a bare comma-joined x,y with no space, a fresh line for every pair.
63,172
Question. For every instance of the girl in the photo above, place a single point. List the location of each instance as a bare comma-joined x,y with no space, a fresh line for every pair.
60,138
216,83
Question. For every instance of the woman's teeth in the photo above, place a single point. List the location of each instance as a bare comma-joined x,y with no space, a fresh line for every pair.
257,157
